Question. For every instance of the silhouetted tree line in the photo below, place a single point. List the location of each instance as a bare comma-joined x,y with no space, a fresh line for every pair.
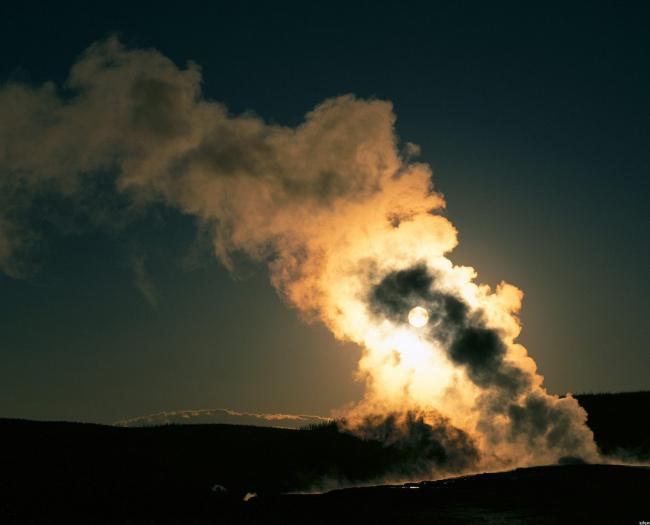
620,422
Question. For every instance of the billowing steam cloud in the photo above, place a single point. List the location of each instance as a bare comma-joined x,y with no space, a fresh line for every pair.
348,223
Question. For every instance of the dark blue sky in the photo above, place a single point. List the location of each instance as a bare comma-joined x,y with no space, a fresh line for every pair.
534,117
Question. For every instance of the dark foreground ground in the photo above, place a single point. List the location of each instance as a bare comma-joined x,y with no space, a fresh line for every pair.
82,473
556,494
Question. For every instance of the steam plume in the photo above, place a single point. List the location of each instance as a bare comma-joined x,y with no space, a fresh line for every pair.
348,223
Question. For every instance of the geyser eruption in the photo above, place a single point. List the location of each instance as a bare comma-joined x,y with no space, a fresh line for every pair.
464,371
349,225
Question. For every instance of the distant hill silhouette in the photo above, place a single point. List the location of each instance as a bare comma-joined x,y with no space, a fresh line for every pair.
221,416
103,474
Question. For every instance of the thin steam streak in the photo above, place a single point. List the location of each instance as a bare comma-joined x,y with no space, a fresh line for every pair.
143,281
347,221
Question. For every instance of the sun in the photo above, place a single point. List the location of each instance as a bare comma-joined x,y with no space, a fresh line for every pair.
418,317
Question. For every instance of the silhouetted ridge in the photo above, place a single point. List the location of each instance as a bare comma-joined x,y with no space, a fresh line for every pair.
175,472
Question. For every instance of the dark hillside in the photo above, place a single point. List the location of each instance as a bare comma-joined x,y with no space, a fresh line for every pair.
99,473
243,458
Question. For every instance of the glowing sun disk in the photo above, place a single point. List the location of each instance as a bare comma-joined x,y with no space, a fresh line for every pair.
418,317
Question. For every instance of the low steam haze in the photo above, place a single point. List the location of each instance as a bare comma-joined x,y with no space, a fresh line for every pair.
147,201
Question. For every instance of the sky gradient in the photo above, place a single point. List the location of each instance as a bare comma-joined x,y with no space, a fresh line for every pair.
534,120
